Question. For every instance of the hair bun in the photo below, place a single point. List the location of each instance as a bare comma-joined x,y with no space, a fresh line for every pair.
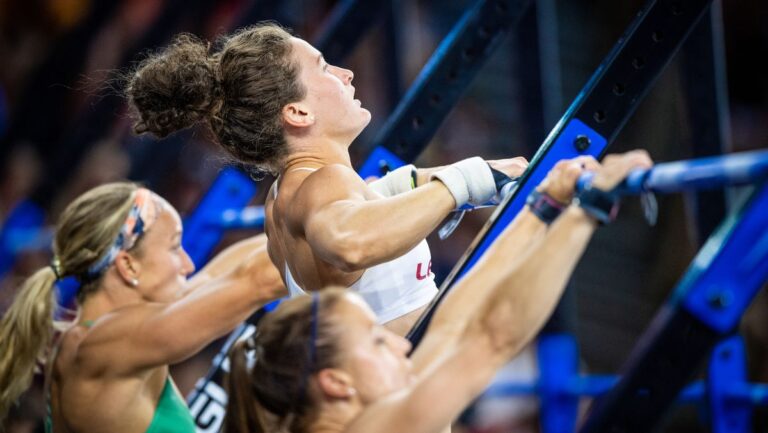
175,88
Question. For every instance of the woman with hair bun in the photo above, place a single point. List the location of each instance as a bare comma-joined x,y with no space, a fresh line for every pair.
275,105
107,371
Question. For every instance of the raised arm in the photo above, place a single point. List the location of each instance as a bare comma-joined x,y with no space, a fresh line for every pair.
507,320
352,228
157,334
237,255
523,234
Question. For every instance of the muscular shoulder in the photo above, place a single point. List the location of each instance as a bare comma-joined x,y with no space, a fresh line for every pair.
332,181
325,186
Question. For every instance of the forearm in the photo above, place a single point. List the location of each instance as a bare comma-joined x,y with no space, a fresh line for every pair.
471,292
228,260
526,296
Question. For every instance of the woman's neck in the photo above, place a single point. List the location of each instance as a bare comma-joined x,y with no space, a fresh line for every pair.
335,417
105,300
316,152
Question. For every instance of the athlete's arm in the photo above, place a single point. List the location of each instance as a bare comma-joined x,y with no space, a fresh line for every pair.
348,228
507,321
234,256
448,386
522,235
156,334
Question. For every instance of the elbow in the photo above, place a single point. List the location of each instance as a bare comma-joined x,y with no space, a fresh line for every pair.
352,252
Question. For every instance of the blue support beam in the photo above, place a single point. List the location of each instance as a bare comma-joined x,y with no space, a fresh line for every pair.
705,307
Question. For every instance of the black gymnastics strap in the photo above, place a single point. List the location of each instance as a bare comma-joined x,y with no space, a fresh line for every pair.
601,205
500,178
546,208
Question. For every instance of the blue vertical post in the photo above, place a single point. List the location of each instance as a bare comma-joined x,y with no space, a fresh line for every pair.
727,369
558,357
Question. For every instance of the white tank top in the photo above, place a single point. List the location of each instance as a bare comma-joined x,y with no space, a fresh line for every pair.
392,289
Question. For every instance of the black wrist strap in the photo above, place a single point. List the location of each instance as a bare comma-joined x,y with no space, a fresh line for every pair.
500,178
601,205
544,206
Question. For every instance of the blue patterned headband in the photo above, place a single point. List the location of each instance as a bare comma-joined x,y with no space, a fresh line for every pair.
142,215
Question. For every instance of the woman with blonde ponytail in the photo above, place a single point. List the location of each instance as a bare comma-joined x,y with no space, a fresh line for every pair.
107,370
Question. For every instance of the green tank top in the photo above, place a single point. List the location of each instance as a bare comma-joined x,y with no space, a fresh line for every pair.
171,413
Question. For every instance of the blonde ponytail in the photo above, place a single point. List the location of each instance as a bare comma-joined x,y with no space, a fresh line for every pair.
25,334
86,230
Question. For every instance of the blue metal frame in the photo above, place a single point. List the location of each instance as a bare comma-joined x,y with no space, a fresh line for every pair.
558,356
726,374
730,269
203,228
707,304
726,396
600,111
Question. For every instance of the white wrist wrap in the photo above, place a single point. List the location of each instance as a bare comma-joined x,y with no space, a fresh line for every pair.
395,182
469,181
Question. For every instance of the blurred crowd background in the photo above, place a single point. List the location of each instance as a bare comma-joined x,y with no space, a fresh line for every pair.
64,128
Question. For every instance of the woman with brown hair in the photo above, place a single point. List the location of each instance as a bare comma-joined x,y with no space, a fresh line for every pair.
322,364
273,102
108,369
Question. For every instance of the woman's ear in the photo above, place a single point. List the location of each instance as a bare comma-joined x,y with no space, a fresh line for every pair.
335,383
298,115
128,268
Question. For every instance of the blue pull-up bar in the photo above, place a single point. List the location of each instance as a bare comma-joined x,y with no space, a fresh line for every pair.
694,174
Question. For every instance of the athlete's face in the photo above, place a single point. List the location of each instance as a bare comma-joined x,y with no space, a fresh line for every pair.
330,98
374,357
162,263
